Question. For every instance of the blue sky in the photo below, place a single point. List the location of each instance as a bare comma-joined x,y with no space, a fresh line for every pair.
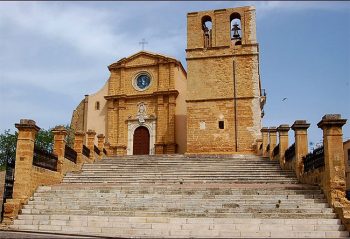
53,53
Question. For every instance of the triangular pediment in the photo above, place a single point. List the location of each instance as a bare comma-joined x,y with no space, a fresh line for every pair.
143,58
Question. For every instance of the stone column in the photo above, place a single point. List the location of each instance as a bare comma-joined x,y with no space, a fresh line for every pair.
78,146
91,143
301,144
27,131
334,172
171,145
273,140
100,144
283,141
258,145
59,137
22,188
122,128
265,141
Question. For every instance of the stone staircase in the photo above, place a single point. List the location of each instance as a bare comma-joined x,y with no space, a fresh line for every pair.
177,196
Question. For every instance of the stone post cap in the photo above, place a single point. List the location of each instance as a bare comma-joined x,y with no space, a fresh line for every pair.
107,144
59,129
264,129
300,124
259,140
91,132
331,120
81,133
100,136
27,123
272,129
283,127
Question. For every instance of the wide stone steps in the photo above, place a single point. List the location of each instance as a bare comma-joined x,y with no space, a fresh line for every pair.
182,197
171,227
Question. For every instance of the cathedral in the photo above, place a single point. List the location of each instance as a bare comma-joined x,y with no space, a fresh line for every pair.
152,105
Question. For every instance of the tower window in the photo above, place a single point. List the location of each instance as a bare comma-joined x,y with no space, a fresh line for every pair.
236,29
207,27
97,105
221,124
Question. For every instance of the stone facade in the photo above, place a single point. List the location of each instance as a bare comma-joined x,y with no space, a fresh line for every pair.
121,106
217,110
223,82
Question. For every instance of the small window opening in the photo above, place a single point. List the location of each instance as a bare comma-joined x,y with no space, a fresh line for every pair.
97,105
221,124
207,29
236,29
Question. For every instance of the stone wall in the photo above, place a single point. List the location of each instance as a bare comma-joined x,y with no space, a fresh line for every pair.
77,121
223,84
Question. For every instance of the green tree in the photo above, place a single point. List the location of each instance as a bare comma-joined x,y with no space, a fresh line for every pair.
8,144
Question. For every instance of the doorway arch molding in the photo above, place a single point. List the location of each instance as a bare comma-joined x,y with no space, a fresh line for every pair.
133,124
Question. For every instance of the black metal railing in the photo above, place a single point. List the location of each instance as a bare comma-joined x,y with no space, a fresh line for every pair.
70,154
97,150
268,147
86,151
290,153
260,148
314,160
104,151
45,159
276,150
263,92
8,182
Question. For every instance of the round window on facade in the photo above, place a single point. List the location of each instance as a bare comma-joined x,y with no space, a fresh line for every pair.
142,81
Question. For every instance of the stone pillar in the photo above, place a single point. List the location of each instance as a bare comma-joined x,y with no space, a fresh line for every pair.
283,141
78,146
122,128
301,144
258,145
27,131
265,141
171,145
100,144
59,137
91,143
273,140
334,172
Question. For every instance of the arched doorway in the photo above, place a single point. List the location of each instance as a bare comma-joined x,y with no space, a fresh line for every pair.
141,141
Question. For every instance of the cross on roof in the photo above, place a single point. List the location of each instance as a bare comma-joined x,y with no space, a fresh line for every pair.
143,43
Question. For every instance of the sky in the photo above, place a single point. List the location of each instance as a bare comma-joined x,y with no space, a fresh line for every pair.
53,53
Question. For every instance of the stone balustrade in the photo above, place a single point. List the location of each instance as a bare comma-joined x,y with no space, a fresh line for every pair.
330,176
28,176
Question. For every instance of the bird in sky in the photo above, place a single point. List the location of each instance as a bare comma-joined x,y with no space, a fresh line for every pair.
284,99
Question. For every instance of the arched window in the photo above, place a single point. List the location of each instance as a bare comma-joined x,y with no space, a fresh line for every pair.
236,28
207,27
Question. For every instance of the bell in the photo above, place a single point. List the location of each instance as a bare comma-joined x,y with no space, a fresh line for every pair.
235,30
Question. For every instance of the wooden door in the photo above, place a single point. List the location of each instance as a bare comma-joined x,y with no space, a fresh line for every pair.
141,141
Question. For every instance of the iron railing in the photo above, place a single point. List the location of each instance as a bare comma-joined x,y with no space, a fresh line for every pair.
276,150
97,150
268,147
260,148
44,159
314,160
86,151
70,154
104,151
290,153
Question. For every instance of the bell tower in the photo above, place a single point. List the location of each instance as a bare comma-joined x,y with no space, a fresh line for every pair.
224,96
